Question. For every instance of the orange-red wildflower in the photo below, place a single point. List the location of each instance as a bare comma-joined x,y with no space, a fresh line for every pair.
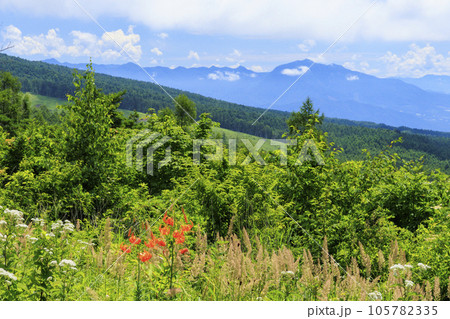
183,251
145,256
164,230
187,227
150,243
134,240
167,220
179,237
125,248
160,242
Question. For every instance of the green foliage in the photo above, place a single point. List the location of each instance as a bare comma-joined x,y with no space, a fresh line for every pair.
298,121
88,127
14,106
264,231
185,110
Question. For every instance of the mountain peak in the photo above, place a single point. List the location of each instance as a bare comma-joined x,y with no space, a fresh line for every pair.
51,61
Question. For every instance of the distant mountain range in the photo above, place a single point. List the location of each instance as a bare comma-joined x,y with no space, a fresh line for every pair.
337,91
433,83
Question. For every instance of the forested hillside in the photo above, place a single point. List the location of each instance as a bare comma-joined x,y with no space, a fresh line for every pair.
81,218
56,81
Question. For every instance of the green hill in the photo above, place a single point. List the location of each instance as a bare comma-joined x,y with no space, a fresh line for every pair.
49,85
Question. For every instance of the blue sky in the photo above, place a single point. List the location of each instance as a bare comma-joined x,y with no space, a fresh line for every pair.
384,38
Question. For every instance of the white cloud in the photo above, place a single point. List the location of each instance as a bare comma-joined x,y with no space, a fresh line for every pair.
83,44
227,76
417,62
193,55
352,78
163,35
256,68
307,45
402,20
156,51
295,72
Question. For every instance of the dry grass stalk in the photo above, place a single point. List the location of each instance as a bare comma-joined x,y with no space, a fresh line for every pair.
437,289
365,260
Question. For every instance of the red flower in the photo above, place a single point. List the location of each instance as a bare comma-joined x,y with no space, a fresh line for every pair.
164,230
160,242
183,251
134,240
150,243
186,228
125,248
167,220
179,237
145,256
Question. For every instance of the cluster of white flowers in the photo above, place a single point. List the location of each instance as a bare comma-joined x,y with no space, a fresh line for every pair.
408,266
49,251
68,226
3,237
56,225
53,263
16,214
376,295
38,221
22,225
67,262
398,267
422,266
32,239
50,235
3,222
5,273
409,283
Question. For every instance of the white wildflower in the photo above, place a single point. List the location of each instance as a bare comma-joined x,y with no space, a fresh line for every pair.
73,268
53,263
22,225
8,282
49,251
50,235
409,283
50,278
3,222
3,237
408,266
67,262
5,273
57,224
259,298
397,267
32,239
376,295
422,266
68,226
38,221
16,214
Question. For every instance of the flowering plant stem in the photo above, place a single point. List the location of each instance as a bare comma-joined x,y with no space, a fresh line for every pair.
138,288
171,265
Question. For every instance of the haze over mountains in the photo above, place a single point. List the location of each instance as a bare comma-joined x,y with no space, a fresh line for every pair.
337,91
